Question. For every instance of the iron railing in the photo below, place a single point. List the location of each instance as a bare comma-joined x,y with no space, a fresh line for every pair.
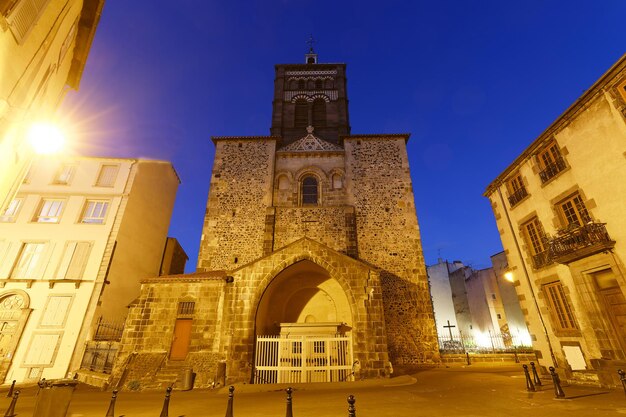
489,343
542,259
109,330
552,169
517,196
99,356
579,241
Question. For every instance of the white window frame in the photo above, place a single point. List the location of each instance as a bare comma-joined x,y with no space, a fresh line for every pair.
104,180
49,211
29,261
64,174
92,211
10,213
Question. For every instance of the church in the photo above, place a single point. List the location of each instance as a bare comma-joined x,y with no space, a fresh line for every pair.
310,266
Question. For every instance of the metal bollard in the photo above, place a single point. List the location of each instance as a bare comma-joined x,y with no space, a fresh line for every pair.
558,391
166,402
289,410
11,410
468,358
10,393
535,374
111,410
229,408
622,377
529,383
351,409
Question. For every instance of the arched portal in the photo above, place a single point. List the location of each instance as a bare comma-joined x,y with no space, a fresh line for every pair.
303,324
302,293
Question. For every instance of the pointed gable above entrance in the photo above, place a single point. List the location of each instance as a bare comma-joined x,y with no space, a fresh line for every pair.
310,143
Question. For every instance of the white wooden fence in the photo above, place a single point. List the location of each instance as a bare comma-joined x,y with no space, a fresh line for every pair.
294,359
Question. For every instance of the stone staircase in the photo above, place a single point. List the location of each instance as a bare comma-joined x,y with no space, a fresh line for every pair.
170,373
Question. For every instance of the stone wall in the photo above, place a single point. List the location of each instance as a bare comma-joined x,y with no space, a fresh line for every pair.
326,225
240,190
148,334
379,182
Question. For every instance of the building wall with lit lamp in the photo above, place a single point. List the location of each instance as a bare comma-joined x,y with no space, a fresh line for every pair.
74,244
43,50
559,208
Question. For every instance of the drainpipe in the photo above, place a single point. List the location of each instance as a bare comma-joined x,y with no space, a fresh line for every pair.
528,280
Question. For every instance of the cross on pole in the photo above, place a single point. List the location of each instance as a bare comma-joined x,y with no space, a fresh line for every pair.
449,327
310,42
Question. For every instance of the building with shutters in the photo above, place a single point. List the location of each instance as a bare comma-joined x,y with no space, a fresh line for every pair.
560,212
310,266
74,244
44,46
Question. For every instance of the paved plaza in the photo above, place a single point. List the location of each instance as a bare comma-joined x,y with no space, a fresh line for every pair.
468,391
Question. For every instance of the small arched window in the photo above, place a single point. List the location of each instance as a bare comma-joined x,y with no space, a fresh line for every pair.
301,85
309,190
319,84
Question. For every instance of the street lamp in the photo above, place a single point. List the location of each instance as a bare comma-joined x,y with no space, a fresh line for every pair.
508,275
45,138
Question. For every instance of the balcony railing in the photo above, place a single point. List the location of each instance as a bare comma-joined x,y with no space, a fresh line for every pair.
517,196
552,169
99,356
541,259
580,241
108,330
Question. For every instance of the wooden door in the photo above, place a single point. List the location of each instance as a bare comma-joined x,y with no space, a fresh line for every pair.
616,305
182,337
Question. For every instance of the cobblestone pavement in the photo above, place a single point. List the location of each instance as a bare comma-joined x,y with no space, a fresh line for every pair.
469,392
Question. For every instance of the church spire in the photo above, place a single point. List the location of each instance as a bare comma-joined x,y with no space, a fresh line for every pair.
311,56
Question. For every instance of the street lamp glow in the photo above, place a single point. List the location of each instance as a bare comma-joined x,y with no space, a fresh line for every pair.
45,138
509,276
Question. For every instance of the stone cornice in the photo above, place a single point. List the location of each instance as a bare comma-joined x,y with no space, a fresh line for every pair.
378,136
220,138
193,277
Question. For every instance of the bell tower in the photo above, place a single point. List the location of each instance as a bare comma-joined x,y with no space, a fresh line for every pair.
310,94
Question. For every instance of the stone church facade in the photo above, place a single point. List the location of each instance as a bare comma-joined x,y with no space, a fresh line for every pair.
308,233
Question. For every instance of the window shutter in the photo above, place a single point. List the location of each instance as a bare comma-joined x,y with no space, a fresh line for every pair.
78,262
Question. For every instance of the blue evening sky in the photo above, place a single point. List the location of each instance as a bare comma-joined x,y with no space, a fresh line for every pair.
474,82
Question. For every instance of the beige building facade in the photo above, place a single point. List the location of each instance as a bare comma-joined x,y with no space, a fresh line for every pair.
74,244
44,46
560,212
310,266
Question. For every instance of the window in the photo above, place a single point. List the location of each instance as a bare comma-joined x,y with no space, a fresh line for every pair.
56,310
186,308
42,349
107,175
573,211
301,114
64,174
536,242
516,190
301,85
559,307
95,212
21,16
74,260
551,162
10,213
319,113
309,190
319,84
49,211
29,261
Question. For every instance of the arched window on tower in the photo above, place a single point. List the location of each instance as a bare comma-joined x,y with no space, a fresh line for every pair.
319,84
309,191
301,117
319,113
301,85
